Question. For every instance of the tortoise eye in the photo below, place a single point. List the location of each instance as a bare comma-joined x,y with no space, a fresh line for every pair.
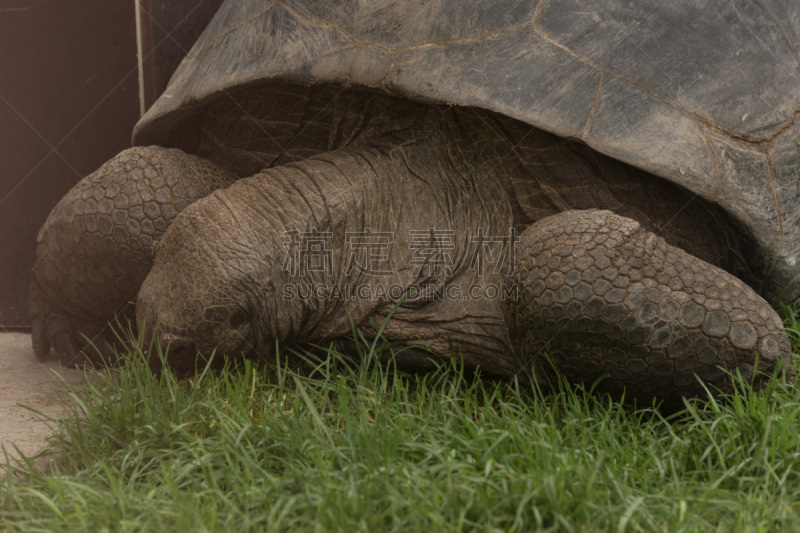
238,318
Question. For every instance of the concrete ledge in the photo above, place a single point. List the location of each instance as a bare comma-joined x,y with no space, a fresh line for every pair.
29,381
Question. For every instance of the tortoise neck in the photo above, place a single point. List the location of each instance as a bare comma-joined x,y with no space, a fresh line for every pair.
408,170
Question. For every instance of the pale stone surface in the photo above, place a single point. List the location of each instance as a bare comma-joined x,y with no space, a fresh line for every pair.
28,381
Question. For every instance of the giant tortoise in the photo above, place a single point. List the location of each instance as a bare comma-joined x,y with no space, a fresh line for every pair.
610,188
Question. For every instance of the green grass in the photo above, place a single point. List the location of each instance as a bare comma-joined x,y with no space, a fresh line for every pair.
329,446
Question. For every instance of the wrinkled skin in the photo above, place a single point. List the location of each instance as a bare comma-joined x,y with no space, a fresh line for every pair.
596,292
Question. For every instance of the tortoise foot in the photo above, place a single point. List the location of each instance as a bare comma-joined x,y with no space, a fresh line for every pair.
602,297
75,339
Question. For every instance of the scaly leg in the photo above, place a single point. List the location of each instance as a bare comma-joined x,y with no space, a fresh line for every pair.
599,295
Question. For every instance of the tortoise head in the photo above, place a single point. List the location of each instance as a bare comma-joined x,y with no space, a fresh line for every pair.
197,297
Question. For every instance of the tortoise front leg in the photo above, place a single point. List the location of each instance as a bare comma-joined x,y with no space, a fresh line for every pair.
599,295
97,245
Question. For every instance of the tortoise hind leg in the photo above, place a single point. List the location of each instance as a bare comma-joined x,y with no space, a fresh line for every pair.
600,295
97,245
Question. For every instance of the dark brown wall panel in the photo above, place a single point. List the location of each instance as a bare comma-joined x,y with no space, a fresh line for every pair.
68,101
69,97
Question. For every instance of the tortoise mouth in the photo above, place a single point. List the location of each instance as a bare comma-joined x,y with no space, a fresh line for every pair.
180,351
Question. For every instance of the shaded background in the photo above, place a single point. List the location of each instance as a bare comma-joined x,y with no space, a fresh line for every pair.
69,98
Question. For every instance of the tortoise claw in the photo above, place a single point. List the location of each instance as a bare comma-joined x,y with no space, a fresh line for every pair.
54,330
41,344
